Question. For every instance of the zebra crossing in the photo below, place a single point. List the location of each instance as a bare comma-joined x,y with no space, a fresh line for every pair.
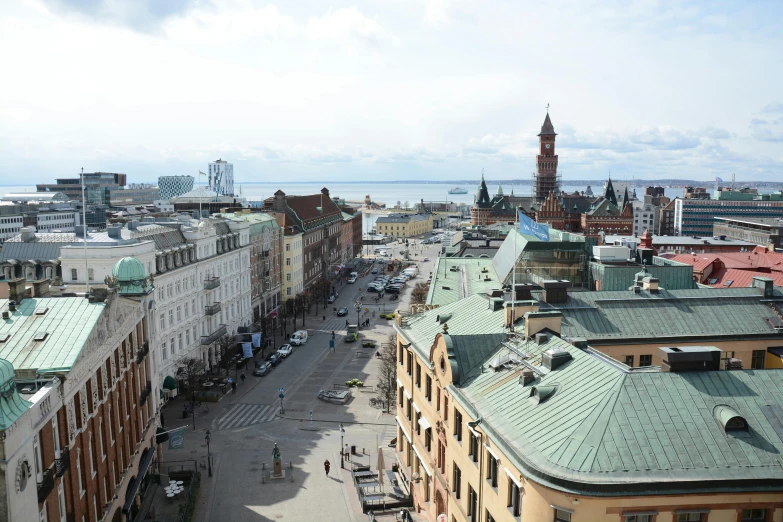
242,415
389,434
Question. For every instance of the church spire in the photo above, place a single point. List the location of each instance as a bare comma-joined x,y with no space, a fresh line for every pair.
482,194
609,193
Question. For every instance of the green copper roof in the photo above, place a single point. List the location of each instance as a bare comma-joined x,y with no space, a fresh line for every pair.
260,222
470,278
66,323
603,316
608,430
131,276
469,316
12,406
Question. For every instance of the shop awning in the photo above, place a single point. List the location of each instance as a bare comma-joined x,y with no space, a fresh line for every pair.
133,488
170,383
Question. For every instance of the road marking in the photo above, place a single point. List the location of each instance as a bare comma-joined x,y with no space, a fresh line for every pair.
246,415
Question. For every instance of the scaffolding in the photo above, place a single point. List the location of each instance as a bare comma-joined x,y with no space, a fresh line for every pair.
542,183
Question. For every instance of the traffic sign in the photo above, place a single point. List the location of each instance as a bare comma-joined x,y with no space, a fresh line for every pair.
281,395
281,389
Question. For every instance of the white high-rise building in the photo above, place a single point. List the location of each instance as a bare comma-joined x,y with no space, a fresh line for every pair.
221,177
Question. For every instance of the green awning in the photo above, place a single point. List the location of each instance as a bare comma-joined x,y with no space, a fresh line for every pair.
170,383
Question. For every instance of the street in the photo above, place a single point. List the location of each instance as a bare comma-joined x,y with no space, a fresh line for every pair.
245,426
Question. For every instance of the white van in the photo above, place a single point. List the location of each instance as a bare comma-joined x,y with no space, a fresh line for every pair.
354,275
298,338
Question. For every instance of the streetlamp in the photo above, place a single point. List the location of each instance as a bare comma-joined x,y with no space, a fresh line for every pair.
207,437
342,453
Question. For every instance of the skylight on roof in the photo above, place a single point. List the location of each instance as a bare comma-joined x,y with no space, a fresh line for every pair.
728,283
4,337
41,310
40,336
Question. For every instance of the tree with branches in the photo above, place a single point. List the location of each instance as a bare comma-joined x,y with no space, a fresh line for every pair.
224,345
419,293
387,373
192,371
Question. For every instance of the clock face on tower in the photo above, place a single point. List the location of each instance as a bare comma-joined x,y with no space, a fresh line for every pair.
548,145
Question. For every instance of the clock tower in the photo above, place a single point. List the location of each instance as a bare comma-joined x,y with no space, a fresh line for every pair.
546,179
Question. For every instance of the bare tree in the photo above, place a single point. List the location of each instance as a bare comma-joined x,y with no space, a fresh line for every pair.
419,293
224,345
192,371
387,374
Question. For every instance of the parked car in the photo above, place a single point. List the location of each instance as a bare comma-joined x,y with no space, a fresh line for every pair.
285,350
298,338
273,359
426,259
387,316
262,368
374,288
331,299
393,289
351,280
342,311
374,271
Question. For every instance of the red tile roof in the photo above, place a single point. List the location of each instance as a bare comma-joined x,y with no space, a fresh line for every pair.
741,278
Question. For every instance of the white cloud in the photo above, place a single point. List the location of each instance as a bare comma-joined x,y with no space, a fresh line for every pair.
349,23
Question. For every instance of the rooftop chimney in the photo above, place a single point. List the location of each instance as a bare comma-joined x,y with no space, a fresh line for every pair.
522,292
16,289
538,321
555,292
516,310
527,377
650,284
690,358
42,288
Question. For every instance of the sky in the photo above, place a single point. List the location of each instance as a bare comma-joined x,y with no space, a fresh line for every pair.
391,89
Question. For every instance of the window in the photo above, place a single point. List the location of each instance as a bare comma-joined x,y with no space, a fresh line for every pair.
514,498
638,518
179,313
437,399
492,470
90,274
561,515
690,517
61,501
645,360
629,360
473,447
752,515
56,437
410,363
171,317
757,360
418,423
418,375
472,502
456,481
428,439
287,261
74,274
163,350
38,459
445,408
402,355
162,321
410,409
428,388
457,425
489,517
79,471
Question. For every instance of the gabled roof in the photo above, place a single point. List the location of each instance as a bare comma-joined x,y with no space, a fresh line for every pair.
604,208
612,431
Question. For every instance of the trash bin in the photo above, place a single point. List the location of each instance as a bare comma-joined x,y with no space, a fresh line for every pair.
353,450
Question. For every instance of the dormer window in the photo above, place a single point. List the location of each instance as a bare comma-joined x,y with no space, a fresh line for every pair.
729,418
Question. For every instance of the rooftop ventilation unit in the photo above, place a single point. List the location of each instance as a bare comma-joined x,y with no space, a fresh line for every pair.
503,361
4,337
527,377
541,338
40,336
6,314
541,394
41,310
734,364
690,358
555,358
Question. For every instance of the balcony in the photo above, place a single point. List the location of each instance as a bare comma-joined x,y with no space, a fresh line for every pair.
212,309
214,336
46,485
211,283
62,464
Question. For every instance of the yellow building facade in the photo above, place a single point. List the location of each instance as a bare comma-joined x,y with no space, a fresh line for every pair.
492,428
404,225
293,266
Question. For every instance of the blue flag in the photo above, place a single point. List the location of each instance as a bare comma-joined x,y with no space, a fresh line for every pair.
247,349
256,340
531,228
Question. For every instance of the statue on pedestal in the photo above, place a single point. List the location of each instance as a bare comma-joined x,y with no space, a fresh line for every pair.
277,465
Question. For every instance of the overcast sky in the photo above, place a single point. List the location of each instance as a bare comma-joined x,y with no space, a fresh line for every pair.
390,89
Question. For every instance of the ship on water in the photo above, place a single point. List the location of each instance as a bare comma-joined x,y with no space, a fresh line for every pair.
458,190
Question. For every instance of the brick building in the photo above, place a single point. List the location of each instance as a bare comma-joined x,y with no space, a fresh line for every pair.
77,425
606,215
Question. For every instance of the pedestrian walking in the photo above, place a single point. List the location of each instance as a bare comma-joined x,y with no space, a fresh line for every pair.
347,453
327,466
233,387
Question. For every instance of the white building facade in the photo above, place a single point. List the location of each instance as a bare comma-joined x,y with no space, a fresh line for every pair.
645,216
221,177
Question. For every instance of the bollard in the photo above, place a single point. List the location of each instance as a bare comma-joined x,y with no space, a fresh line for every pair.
290,465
